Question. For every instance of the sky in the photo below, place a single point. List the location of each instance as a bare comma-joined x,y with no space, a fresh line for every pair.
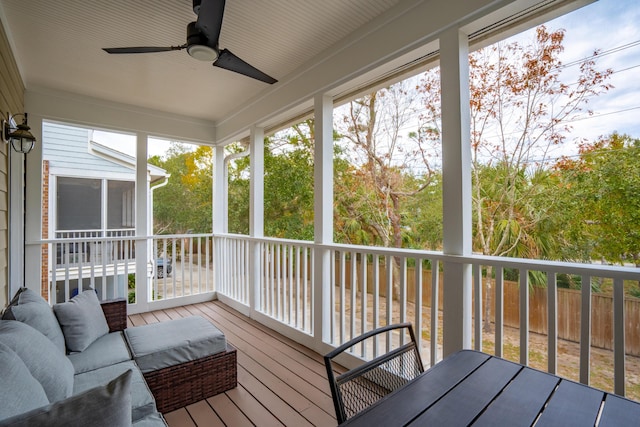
126,143
613,27
610,26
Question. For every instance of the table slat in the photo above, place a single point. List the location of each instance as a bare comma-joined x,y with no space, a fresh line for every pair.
401,407
572,404
521,401
464,402
618,411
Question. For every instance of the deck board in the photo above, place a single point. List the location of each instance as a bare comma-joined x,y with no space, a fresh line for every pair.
280,382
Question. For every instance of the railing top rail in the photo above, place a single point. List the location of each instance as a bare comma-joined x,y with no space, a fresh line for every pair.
596,270
114,238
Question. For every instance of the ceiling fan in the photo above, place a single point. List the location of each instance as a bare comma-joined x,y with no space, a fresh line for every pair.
202,42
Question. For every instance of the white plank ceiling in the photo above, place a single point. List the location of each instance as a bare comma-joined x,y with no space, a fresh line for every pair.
58,46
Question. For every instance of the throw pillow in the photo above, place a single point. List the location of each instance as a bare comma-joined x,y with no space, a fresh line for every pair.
82,320
29,307
52,369
19,391
103,406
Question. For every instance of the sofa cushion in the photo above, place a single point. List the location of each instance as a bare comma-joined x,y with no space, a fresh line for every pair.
142,402
82,320
51,368
107,405
107,350
160,345
29,307
151,420
19,391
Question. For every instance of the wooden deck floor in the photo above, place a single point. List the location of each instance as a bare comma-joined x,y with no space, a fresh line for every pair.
280,382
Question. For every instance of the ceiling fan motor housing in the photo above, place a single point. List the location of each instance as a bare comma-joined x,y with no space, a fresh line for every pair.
197,45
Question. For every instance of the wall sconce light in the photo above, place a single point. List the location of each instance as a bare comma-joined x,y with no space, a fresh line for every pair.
18,135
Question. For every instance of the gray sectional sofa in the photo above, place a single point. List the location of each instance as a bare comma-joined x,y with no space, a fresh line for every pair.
67,366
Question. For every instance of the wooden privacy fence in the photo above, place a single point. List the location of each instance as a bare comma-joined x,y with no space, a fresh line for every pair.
569,307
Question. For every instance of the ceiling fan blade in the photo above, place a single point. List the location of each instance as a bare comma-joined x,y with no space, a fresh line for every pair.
229,61
142,49
210,20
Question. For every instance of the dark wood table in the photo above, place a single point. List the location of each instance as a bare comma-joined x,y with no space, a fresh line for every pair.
473,388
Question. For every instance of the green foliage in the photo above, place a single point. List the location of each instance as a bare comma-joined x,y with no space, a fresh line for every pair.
602,193
185,202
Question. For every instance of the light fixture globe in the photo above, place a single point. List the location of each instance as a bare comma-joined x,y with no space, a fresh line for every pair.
202,52
19,136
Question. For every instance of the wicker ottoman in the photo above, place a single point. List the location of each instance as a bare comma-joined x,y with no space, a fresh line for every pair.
183,360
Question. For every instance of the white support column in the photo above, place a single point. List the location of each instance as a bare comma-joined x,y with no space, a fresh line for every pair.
456,165
142,248
33,206
256,213
323,220
218,189
218,210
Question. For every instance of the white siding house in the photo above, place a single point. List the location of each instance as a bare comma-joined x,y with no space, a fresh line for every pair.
89,194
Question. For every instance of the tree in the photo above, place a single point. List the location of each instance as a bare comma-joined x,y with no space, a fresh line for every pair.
288,183
520,110
605,179
185,202
387,169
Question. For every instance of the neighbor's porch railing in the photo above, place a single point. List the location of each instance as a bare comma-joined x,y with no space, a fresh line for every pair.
175,266
277,282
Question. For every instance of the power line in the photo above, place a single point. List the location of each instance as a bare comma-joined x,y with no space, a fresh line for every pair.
601,54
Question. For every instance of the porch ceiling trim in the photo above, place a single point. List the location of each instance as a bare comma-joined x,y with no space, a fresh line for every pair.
100,114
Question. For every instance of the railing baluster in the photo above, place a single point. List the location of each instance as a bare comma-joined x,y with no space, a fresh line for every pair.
174,257
298,296
435,320
190,266
499,316
376,302
285,283
363,299
207,265
343,297
354,288
389,319
182,267
272,284
67,247
312,287
305,290
552,321
524,317
618,337
477,307
585,330
418,303
403,294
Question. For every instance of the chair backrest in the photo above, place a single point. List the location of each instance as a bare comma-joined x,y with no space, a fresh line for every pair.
360,387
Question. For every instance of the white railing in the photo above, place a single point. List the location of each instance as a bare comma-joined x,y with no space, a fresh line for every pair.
233,262
183,266
405,285
176,266
287,280
75,248
364,287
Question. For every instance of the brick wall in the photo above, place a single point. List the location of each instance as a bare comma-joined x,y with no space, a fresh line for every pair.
45,230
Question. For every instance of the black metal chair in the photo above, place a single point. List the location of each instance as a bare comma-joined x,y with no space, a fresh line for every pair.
360,387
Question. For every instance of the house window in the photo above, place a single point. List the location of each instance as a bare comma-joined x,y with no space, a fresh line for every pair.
79,202
120,205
